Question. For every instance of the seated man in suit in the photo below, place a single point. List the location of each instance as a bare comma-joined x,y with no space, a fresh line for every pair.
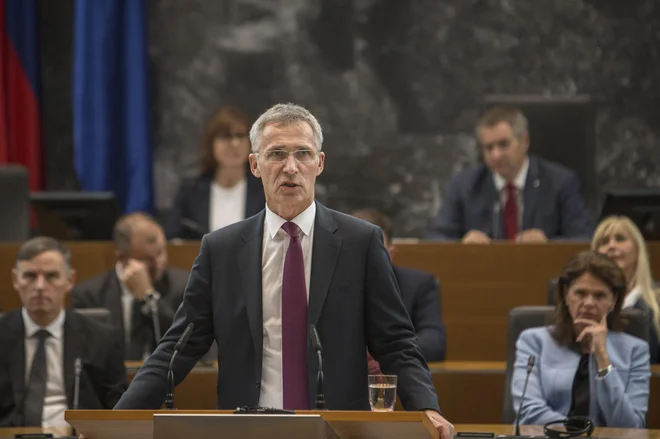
420,294
42,342
258,285
511,195
138,285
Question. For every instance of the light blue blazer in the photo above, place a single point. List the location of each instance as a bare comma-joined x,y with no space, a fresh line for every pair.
618,400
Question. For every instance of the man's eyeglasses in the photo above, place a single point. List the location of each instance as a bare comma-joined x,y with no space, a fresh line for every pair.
281,155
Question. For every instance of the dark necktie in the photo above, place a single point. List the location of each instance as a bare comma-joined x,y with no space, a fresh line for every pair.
511,212
36,388
294,324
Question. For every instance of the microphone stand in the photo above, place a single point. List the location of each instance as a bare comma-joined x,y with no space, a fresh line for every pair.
530,366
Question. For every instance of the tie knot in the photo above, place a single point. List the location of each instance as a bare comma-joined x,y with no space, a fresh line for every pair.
510,187
291,229
42,334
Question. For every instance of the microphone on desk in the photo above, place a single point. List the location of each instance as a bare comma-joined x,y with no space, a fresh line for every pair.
497,207
152,302
530,366
76,383
316,344
180,345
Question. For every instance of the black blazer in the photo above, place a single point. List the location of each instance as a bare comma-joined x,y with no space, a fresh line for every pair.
551,202
420,292
353,301
103,378
189,216
104,291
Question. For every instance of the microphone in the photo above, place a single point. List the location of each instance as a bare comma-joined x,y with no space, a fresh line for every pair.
316,344
152,303
496,220
530,366
180,345
76,383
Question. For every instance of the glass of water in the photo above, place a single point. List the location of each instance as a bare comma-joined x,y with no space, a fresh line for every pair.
382,392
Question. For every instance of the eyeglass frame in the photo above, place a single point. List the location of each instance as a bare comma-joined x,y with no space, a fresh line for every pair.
289,153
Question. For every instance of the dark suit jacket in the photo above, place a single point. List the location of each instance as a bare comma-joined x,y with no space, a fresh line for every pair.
189,216
353,301
103,378
104,291
420,293
551,202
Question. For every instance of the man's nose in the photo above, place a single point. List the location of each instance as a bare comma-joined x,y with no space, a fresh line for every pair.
290,164
40,282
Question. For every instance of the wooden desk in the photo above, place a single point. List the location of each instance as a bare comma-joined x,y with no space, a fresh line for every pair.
480,284
55,431
458,385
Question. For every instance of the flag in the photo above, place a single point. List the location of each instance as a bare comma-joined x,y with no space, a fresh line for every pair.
20,118
111,122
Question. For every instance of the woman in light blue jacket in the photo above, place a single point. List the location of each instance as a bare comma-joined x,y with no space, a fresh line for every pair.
584,365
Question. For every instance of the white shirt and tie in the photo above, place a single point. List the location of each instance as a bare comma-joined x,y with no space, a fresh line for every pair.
275,245
519,183
55,400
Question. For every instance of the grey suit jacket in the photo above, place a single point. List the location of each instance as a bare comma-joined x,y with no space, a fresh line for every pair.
104,291
353,301
551,202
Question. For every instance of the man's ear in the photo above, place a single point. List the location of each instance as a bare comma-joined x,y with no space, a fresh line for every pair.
254,165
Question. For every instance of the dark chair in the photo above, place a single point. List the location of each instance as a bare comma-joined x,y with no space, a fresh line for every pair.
525,317
15,196
99,314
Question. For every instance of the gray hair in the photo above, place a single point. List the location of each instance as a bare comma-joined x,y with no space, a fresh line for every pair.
41,244
285,114
511,115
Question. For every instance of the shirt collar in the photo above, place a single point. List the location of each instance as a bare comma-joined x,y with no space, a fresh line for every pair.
304,220
56,327
518,182
632,297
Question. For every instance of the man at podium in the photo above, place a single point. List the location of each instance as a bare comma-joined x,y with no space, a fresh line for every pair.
258,285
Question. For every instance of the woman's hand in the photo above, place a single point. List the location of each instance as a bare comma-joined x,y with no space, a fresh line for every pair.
596,334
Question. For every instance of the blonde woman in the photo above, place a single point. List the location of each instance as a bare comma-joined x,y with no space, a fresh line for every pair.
620,239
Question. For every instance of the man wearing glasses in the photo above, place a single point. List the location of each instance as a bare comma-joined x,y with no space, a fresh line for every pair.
257,286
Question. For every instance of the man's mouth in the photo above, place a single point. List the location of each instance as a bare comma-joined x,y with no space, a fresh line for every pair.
289,184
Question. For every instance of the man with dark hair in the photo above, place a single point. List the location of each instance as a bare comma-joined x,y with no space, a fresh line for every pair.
139,288
420,292
42,342
511,195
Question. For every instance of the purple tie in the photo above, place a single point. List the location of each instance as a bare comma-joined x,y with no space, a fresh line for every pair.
294,324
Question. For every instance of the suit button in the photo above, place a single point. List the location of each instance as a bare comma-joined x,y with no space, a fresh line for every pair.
257,384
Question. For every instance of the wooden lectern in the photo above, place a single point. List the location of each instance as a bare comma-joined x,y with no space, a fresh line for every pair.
222,424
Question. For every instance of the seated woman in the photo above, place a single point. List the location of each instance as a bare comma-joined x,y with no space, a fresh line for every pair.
620,239
226,191
584,365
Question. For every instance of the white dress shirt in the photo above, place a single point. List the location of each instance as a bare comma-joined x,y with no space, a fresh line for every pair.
127,299
55,400
275,245
519,183
227,204
632,297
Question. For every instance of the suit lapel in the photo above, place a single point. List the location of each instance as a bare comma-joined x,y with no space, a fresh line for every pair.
325,252
492,208
531,195
18,365
249,267
74,342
